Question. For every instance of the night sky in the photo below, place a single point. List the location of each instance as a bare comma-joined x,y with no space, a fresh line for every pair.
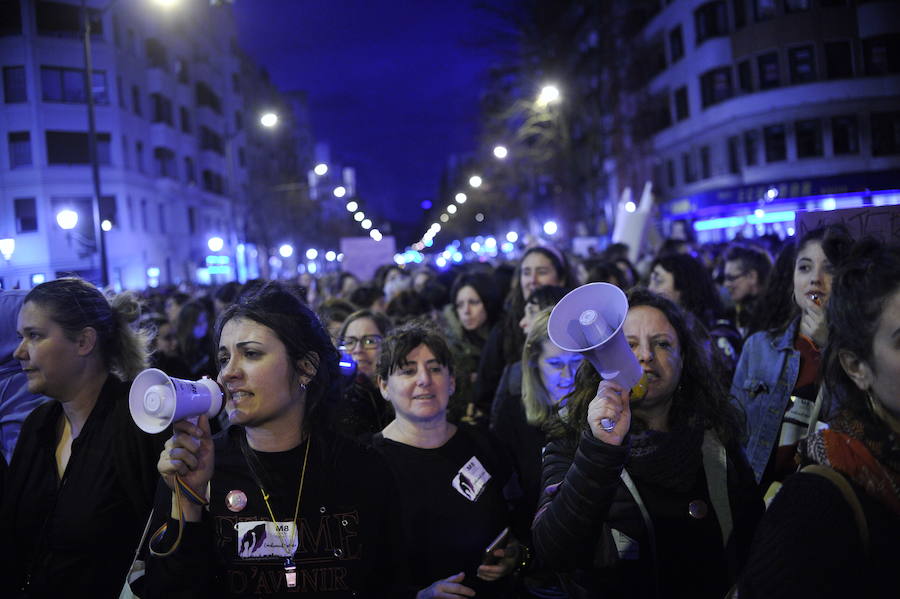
393,85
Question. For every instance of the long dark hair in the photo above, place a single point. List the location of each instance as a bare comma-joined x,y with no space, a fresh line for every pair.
694,283
274,306
864,281
75,304
698,394
486,288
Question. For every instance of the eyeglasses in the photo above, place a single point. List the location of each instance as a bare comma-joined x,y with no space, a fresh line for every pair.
733,278
368,342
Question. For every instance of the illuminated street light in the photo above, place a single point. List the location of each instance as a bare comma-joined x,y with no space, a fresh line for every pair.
512,237
475,181
269,119
460,198
167,3
330,256
375,234
312,254
359,216
444,218
67,219
286,250
451,209
7,247
106,225
479,217
550,227
366,224
215,244
490,243
501,152
339,191
321,169
548,95
352,206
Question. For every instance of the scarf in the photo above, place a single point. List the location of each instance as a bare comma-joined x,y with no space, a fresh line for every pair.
870,458
669,459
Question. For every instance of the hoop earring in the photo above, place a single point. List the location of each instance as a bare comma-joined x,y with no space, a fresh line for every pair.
303,387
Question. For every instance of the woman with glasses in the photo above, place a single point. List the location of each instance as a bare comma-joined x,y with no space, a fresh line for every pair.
361,411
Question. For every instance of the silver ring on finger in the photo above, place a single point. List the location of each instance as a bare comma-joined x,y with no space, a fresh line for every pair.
607,424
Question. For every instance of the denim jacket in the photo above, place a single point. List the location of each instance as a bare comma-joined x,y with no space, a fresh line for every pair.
765,376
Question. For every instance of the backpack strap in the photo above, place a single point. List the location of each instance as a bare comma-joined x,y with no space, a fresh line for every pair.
849,495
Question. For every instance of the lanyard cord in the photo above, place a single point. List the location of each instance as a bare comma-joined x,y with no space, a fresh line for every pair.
250,458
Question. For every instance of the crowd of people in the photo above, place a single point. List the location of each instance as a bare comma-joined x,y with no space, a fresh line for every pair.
420,434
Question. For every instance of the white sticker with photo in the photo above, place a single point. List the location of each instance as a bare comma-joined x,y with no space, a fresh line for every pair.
262,539
471,479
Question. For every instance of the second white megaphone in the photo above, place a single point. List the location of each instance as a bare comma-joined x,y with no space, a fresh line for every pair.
588,320
156,400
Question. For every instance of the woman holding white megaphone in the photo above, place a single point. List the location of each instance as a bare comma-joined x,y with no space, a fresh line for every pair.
276,504
645,496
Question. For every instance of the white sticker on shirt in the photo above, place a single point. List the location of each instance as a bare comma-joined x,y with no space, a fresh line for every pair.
262,539
471,479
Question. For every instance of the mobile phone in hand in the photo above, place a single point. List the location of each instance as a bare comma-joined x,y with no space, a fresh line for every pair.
499,543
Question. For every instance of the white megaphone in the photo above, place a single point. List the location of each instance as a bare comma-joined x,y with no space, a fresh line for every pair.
588,321
156,400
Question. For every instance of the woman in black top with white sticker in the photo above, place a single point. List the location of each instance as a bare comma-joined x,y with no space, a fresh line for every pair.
290,508
451,477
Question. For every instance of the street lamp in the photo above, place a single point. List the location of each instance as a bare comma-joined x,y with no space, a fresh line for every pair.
548,95
312,254
321,169
268,119
286,250
460,198
451,209
352,206
475,181
501,152
340,191
550,227
215,244
67,219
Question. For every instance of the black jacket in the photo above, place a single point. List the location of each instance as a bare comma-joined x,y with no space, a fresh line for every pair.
77,536
591,530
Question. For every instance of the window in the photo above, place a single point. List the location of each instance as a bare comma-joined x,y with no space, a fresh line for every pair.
64,20
705,166
120,91
144,220
238,121
117,31
185,119
687,166
734,161
19,149
740,13
108,209
802,63
711,20
838,60
161,213
181,70
670,172
189,173
764,10
745,77
751,147
164,163
206,97
796,5
26,215
70,147
809,138
139,156
715,86
676,44
235,83
10,18
845,134
131,216
14,88
67,85
162,109
156,54
192,219
681,104
769,75
775,143
213,182
885,133
242,158
136,100
126,155
882,54
209,140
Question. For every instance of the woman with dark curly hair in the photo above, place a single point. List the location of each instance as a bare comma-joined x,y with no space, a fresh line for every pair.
848,538
81,480
290,507
664,503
